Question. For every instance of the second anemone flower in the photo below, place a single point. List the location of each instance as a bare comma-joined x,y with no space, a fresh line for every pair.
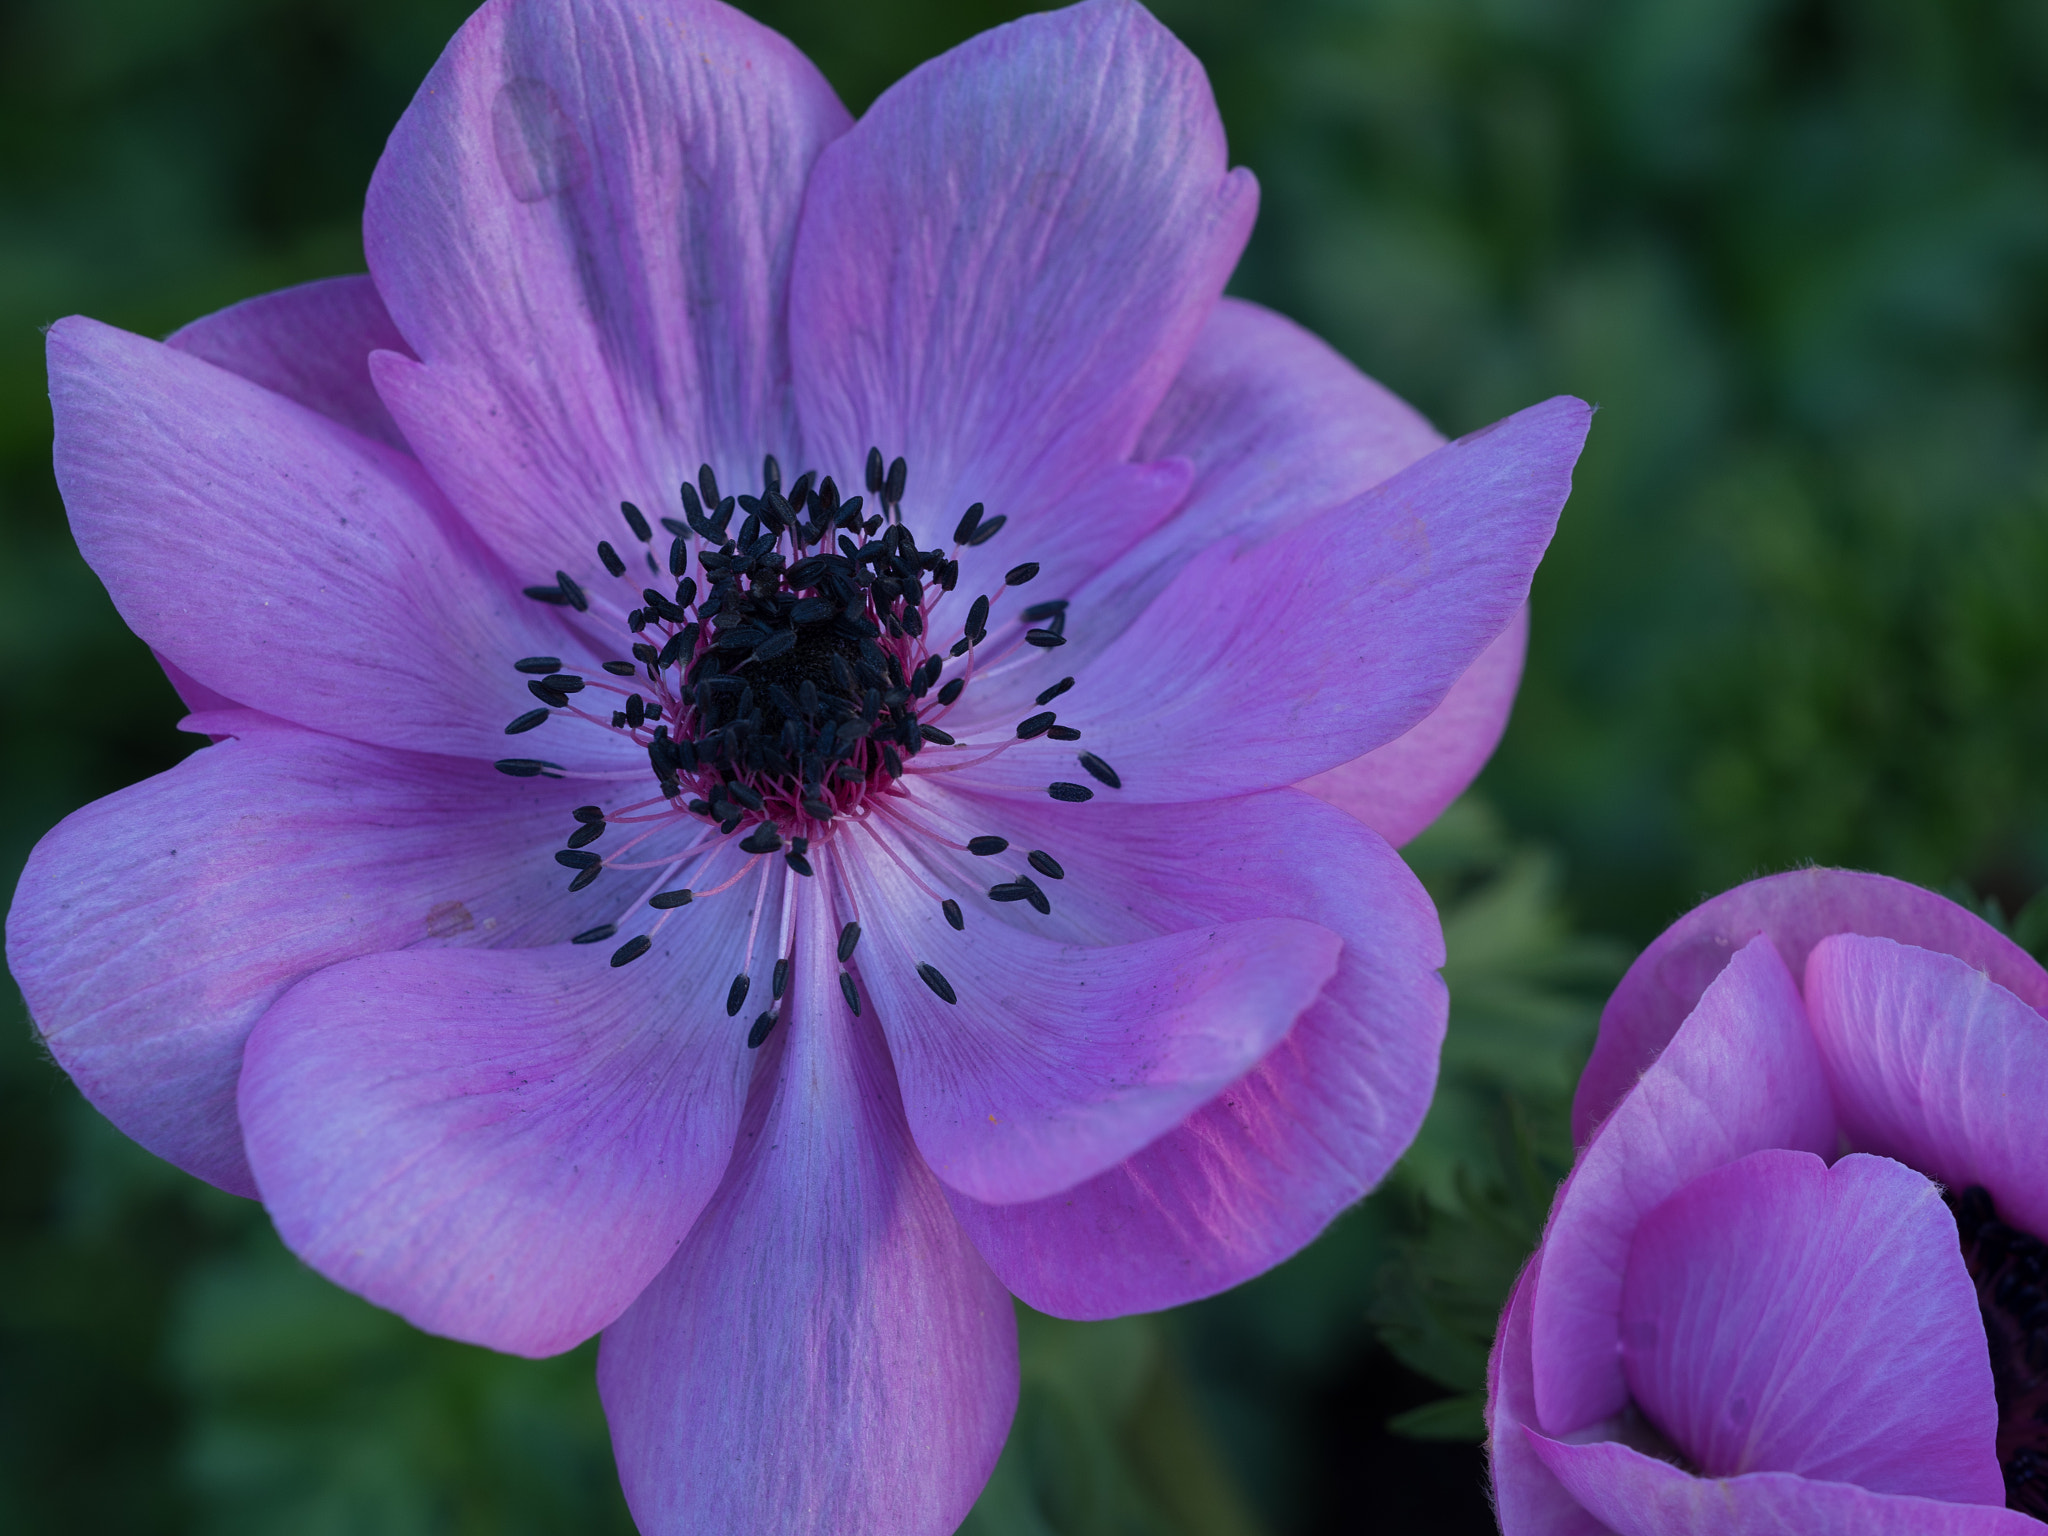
758,665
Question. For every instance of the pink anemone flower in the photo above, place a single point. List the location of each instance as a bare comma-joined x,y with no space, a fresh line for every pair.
1797,1280
759,665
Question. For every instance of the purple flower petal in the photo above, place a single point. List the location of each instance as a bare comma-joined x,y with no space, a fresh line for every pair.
1219,690
1260,1169
827,1354
1527,1498
1936,1064
583,225
1637,1495
311,344
1742,1074
1779,1315
1002,267
503,1146
1797,910
283,560
1400,788
1058,1061
152,928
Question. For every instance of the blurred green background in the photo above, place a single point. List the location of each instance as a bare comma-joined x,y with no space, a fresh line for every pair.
1796,250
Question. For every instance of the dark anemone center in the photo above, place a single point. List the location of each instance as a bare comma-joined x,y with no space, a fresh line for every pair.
823,657
2010,1268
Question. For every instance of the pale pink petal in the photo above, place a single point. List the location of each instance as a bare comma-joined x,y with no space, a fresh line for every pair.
311,344
583,226
1221,688
1741,1075
1779,1315
285,561
1260,1169
827,1355
1054,1062
152,928
1527,1499
1400,788
1637,1495
1797,910
503,1146
1936,1064
1001,269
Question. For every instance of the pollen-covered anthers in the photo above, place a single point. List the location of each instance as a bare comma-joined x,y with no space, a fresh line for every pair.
2010,1268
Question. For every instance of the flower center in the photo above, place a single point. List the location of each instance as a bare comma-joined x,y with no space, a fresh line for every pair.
791,695
2011,1271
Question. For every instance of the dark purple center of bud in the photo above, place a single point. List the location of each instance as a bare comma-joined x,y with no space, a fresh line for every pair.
2011,1271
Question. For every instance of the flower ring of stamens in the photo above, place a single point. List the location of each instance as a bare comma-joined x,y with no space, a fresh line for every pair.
787,699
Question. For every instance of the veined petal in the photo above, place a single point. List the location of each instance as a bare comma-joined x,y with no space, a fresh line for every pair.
1797,910
1400,788
1054,1062
1780,1315
583,226
1001,269
1637,1495
1936,1064
827,1354
1741,1075
1262,1167
284,560
152,928
1528,1499
1219,690
311,344
503,1146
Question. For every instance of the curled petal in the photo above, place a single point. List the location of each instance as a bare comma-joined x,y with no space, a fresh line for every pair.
152,928
503,1146
827,1353
1779,1315
583,225
1741,1075
1001,268
1797,910
1936,1064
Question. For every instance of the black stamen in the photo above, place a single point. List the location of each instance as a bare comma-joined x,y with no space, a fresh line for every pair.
763,1026
1044,639
798,862
586,877
526,767
988,530
1046,864
1074,794
736,994
527,722
596,935
1062,733
1039,611
1100,771
849,936
1037,725
983,847
554,698
554,595
969,521
1017,575
1007,891
952,910
538,665
847,990
874,472
763,839
930,733
953,690
575,858
666,899
632,949
620,668
610,557
929,974
586,834
637,521
780,980
571,593
1055,690
588,813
